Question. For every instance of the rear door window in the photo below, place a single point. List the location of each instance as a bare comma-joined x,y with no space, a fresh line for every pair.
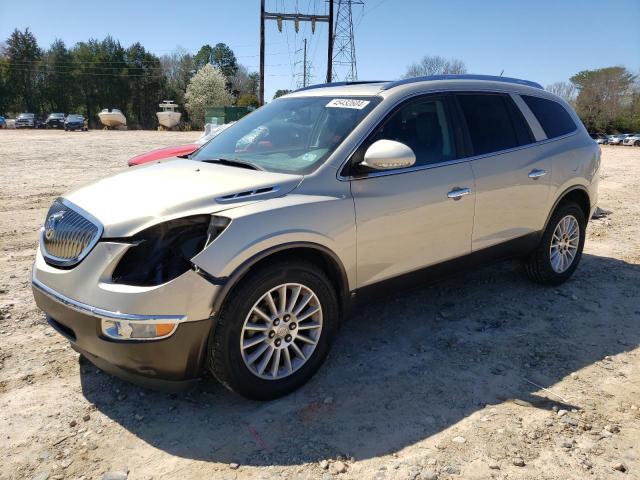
553,117
494,122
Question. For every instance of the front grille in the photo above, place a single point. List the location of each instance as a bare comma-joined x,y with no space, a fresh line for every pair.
68,235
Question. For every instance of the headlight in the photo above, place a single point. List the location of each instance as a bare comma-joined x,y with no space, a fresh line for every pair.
126,330
164,252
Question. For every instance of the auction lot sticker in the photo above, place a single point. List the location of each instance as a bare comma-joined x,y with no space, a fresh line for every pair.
348,103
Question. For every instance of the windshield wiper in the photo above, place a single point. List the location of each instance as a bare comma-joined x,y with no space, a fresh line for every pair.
232,162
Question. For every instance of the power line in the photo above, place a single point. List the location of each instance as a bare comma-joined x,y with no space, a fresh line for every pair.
297,17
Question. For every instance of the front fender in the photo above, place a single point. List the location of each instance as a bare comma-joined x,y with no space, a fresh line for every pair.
327,222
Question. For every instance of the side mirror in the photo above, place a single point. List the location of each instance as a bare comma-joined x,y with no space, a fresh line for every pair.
387,155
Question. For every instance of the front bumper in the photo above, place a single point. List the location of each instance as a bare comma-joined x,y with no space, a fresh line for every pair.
76,301
173,363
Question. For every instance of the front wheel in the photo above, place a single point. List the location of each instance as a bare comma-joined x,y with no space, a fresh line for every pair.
560,249
274,330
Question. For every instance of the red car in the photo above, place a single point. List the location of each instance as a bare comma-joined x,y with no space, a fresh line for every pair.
210,131
160,153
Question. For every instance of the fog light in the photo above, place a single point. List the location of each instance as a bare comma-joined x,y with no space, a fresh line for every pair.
125,330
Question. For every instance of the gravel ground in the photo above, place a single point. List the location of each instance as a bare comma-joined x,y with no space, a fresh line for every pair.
481,376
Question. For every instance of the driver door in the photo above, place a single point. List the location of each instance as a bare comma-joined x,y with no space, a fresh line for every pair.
414,217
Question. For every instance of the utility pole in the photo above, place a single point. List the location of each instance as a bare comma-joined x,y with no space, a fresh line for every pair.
344,58
304,65
296,18
330,45
261,52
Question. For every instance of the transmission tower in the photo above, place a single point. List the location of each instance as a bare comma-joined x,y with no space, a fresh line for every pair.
344,47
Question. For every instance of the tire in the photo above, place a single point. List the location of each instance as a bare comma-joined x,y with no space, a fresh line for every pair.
228,360
637,143
539,266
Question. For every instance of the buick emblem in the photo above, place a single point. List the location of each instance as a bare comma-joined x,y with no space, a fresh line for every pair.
51,223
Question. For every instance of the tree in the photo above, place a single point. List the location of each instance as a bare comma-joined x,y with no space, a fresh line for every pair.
605,97
254,83
202,57
248,100
206,88
23,73
5,94
244,82
178,68
59,87
84,55
223,57
146,86
280,92
435,65
103,77
565,90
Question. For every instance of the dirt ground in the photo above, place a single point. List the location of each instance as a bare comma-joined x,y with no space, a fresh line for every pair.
481,376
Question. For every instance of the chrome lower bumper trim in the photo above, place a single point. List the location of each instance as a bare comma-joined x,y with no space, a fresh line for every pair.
102,313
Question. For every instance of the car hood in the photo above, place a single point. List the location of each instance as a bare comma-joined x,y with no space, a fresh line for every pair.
131,201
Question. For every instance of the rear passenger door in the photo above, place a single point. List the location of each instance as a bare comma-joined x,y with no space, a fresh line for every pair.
512,177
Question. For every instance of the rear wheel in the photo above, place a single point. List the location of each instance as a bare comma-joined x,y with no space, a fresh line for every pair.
274,330
560,249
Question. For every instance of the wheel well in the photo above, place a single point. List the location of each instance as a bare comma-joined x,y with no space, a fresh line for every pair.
580,197
326,261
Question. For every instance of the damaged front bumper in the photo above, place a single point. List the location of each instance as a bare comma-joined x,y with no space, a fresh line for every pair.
131,332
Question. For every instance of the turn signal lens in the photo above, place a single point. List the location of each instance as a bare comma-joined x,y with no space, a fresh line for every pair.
163,329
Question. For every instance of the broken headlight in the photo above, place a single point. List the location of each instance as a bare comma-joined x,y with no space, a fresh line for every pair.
164,252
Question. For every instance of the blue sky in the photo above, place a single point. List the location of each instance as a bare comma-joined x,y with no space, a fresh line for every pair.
544,41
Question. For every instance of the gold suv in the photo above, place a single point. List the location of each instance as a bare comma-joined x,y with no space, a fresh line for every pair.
243,259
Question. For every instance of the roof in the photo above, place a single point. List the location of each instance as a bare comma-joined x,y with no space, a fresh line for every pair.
376,86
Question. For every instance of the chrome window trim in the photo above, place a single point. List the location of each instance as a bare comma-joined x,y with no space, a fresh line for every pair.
343,178
64,262
101,312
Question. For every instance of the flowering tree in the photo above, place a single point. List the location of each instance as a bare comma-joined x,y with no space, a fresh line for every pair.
207,88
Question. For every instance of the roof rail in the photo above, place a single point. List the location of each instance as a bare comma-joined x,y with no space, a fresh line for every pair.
339,84
491,78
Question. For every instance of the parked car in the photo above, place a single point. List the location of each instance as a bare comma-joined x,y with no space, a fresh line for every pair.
27,120
244,258
179,150
618,139
55,120
3,122
632,140
75,122
600,138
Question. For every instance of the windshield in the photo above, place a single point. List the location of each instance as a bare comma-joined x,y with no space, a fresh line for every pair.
56,115
289,135
75,117
26,115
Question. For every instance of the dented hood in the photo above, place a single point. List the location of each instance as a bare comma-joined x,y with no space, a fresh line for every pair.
139,197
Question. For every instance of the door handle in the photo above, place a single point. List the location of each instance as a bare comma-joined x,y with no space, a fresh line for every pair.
458,193
537,173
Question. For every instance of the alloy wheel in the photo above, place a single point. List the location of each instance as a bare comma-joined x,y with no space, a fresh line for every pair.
564,244
281,331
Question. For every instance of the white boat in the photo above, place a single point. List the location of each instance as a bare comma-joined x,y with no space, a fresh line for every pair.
168,117
112,118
